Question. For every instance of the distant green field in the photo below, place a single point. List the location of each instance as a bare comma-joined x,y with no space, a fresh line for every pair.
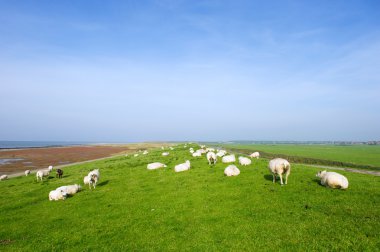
201,210
355,154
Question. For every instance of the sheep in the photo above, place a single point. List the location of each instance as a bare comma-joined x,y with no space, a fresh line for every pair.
197,154
3,177
191,151
165,154
93,178
59,173
171,148
90,180
57,195
50,168
202,151
255,155
27,172
211,157
244,161
70,189
42,173
162,148
202,146
229,159
279,166
182,167
145,152
221,153
153,166
231,170
210,149
333,179
136,155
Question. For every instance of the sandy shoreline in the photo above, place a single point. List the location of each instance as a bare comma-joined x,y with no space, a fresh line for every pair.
40,158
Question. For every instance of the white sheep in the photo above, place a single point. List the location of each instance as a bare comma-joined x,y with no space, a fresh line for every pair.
136,155
221,153
255,155
279,166
191,151
244,161
57,195
165,154
171,148
70,189
153,166
27,172
333,179
145,152
197,154
90,181
182,167
211,157
231,170
42,173
3,177
50,168
202,151
92,178
228,159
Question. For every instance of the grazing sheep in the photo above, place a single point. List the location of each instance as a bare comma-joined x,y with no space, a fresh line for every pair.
333,179
70,189
197,154
165,154
59,173
57,195
255,155
145,152
153,166
221,153
3,177
27,172
50,168
244,161
231,170
136,155
89,180
182,167
42,173
229,159
279,166
92,178
211,157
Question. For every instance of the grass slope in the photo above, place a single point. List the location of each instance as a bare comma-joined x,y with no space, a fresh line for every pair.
201,209
355,154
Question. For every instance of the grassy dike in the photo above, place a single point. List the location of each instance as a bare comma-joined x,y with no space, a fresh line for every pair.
136,209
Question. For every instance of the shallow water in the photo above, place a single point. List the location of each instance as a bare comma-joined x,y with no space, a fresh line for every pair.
4,161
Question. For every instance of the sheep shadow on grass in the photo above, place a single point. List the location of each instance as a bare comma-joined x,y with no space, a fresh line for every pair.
268,177
103,183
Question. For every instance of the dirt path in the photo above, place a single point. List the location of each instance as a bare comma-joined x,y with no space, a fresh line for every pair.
374,173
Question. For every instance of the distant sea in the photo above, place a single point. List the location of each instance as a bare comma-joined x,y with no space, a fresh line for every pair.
36,144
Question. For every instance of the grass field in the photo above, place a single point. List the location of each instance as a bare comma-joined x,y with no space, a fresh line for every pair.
136,209
355,154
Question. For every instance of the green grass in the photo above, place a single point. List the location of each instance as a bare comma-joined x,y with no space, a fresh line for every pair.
355,154
136,209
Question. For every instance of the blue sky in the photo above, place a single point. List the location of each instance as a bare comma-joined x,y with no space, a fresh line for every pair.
189,70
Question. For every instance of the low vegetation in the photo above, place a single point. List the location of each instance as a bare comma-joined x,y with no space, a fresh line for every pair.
133,208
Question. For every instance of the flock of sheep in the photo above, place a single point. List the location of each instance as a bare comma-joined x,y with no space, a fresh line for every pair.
278,166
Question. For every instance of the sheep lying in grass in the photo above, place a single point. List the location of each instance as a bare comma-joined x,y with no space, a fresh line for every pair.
279,166
57,195
231,170
244,161
182,167
255,155
42,173
165,154
211,157
333,179
153,166
197,154
3,177
69,189
229,159
221,153
27,172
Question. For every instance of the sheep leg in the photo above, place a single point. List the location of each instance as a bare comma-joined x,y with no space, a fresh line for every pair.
286,178
281,179
274,178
